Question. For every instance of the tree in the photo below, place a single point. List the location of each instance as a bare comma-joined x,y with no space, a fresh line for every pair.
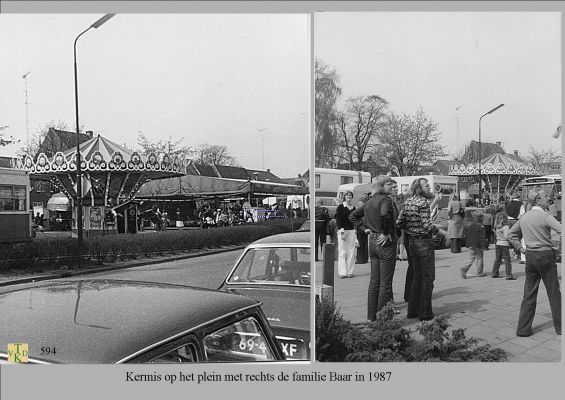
213,154
3,140
32,146
327,91
168,146
358,124
408,142
541,158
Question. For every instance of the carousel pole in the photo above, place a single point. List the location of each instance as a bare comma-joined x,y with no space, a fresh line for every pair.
79,169
480,154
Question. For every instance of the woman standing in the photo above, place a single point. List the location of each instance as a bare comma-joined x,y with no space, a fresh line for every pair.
455,224
346,239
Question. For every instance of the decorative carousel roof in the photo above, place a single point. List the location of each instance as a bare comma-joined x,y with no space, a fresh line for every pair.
102,155
496,164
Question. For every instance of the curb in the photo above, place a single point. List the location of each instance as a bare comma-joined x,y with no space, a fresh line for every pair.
125,265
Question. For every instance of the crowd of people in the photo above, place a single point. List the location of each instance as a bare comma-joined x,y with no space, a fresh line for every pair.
400,226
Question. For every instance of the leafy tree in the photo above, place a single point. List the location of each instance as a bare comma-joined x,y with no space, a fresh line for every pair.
173,148
32,147
358,127
542,157
3,140
213,154
408,142
327,91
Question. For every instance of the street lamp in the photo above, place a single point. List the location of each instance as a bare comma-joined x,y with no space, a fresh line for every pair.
480,154
95,25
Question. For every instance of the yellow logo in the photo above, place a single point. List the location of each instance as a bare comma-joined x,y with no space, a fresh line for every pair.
18,352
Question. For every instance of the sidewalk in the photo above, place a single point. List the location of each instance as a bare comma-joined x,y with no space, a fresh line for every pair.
487,308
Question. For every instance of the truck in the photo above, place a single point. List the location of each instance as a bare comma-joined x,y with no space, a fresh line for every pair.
447,185
328,181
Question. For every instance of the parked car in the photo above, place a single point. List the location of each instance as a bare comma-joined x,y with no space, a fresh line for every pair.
110,321
276,271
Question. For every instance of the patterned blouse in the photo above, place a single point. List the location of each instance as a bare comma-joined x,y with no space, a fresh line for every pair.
415,217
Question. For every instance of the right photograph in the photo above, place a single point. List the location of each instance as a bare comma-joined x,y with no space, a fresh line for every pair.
438,186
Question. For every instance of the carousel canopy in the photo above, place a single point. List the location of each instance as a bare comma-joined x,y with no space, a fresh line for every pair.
496,164
109,171
199,187
101,154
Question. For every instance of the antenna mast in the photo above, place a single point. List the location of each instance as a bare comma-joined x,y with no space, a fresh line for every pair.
27,110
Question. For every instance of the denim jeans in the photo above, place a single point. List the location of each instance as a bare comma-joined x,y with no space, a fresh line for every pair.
319,235
502,253
540,265
422,259
383,262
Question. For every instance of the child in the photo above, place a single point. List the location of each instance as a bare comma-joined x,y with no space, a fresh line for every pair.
475,240
502,246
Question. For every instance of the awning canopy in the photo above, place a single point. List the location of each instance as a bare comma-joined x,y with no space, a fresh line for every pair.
200,187
58,202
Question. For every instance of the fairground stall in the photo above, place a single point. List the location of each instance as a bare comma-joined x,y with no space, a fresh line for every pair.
501,174
111,175
15,217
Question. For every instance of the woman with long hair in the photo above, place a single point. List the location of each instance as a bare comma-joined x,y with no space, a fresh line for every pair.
455,224
346,237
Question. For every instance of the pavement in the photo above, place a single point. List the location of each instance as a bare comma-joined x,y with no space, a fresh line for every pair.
19,277
485,307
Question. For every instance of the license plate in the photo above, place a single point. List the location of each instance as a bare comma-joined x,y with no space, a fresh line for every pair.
293,349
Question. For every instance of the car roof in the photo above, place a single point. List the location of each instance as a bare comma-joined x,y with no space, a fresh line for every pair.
300,237
104,321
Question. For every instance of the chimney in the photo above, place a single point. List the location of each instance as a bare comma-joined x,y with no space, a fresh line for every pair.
515,152
89,134
299,175
499,143
268,170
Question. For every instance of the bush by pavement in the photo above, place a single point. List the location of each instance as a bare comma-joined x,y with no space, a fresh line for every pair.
53,253
385,340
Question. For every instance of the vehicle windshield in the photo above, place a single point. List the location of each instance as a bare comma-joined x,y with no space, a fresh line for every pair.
277,265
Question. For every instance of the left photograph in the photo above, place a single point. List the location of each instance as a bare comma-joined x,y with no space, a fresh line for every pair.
154,188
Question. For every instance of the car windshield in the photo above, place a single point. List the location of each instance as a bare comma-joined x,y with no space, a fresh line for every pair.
277,265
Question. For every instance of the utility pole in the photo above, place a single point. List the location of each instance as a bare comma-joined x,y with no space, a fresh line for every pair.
457,117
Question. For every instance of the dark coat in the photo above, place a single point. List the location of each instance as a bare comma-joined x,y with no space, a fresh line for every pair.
475,235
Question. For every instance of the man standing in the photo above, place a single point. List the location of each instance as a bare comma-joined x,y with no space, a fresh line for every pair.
535,227
415,220
377,217
322,217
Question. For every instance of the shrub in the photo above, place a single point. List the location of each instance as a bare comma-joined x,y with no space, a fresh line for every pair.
334,334
64,251
385,340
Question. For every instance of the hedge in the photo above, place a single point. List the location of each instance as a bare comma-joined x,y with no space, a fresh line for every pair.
65,251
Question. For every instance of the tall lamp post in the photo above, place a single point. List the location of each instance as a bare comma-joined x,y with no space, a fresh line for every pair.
480,153
95,25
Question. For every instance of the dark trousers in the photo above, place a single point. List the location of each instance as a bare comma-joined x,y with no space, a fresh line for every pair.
502,253
409,271
423,266
363,249
456,245
488,234
540,266
320,236
383,262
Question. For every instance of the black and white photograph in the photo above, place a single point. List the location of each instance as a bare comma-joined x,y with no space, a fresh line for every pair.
153,199
438,186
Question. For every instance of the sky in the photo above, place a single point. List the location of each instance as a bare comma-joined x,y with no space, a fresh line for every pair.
456,66
239,80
